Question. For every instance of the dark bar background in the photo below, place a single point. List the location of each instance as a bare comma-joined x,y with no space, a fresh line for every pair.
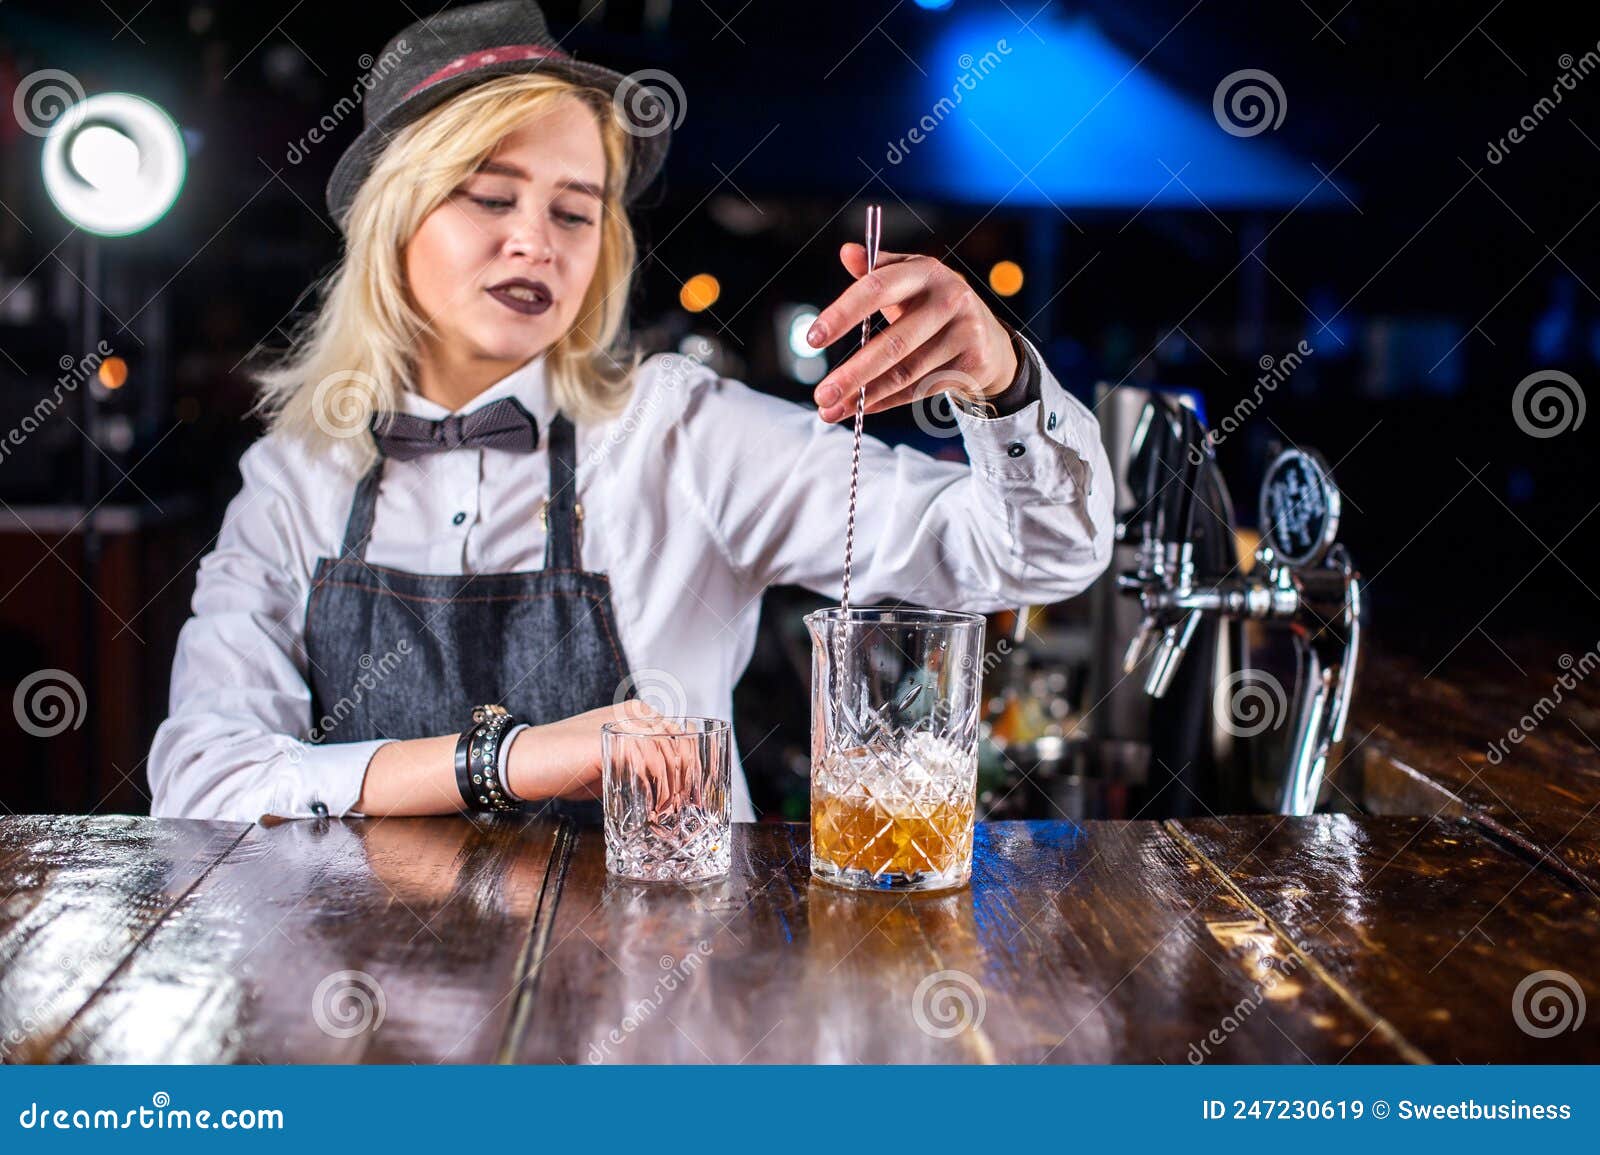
1433,269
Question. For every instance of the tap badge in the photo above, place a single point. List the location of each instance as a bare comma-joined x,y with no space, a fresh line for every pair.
1299,507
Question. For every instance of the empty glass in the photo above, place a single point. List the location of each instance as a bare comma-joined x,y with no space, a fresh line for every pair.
667,794
894,746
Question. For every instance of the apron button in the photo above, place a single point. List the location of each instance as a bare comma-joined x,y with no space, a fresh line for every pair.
459,518
1015,449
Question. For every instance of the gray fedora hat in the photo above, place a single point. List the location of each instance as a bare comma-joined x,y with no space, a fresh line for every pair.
444,54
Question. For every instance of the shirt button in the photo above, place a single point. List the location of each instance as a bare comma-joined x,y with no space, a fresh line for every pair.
1015,449
1051,424
320,809
459,518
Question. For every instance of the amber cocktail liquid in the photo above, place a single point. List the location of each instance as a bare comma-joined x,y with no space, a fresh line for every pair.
914,821
894,747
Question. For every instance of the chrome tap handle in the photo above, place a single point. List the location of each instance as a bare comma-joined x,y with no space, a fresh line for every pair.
1169,653
1327,671
1139,647
1309,744
1352,650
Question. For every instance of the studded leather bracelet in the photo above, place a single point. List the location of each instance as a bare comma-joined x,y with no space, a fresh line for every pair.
478,776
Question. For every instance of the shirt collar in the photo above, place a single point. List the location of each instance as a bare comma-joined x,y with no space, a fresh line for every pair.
526,383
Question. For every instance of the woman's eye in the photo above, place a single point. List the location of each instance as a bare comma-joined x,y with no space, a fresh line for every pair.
573,220
493,203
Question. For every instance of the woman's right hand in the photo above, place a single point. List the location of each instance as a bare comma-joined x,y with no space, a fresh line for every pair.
562,759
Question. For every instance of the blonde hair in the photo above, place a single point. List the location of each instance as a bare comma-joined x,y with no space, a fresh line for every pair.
350,361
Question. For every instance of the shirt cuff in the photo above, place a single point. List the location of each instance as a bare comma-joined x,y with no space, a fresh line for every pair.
1024,386
328,779
1025,448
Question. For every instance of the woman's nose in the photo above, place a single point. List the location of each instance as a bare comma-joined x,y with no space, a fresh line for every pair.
528,240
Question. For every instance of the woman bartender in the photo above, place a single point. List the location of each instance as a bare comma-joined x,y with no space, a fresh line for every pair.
472,495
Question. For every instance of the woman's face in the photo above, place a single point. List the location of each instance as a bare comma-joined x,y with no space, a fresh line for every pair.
530,214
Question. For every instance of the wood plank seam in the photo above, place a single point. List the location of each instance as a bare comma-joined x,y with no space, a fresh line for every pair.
1380,749
64,1032
1520,845
533,956
1542,859
1379,1024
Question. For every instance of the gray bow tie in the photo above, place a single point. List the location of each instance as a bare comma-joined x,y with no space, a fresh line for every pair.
503,424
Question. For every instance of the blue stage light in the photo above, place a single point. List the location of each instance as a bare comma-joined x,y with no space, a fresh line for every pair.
1061,114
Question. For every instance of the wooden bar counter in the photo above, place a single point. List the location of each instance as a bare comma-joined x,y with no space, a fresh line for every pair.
1261,939
1453,919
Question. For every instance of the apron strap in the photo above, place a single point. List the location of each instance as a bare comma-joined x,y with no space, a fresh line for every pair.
358,528
561,514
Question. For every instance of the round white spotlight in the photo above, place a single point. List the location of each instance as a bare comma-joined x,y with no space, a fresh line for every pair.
104,157
113,164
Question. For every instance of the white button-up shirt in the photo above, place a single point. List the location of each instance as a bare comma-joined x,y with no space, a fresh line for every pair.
700,495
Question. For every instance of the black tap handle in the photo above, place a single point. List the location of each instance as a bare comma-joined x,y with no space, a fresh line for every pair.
1192,442
1150,466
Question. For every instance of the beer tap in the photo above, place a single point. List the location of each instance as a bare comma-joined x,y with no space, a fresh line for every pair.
1303,581
1165,518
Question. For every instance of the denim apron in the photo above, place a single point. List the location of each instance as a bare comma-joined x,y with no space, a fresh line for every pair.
543,643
